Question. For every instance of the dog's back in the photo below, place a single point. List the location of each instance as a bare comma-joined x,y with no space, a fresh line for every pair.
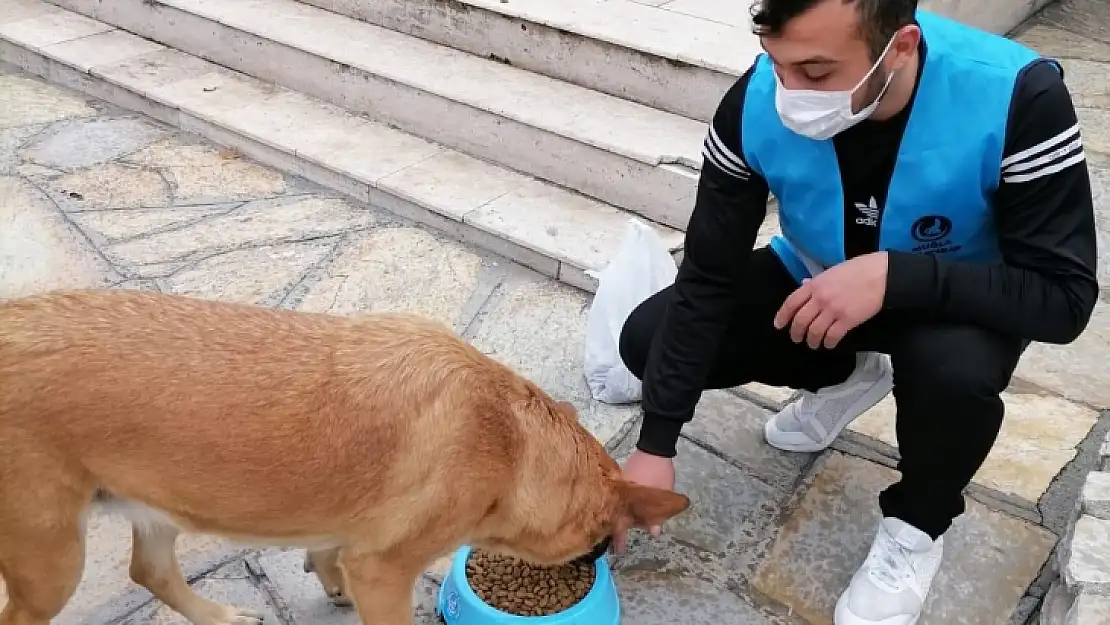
230,416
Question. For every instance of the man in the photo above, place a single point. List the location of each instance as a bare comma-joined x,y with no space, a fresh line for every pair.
936,208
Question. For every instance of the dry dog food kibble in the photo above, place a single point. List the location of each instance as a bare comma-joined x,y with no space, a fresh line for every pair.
519,588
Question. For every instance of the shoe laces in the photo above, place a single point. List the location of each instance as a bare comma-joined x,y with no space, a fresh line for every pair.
806,413
817,413
806,408
889,562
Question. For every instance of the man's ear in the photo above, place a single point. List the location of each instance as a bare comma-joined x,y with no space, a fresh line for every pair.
647,506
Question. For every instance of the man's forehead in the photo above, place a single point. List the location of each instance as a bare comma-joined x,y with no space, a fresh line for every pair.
827,33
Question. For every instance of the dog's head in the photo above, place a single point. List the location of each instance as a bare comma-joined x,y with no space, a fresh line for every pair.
574,501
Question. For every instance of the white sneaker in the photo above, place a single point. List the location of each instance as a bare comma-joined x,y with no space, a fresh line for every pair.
891,586
813,422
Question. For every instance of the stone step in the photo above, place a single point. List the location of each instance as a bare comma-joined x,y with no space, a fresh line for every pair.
623,153
679,56
668,60
540,225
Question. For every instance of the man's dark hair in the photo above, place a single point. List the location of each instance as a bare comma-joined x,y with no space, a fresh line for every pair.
878,19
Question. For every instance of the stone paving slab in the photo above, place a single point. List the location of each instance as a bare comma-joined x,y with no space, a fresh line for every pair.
1038,439
113,186
11,140
652,597
1086,564
448,274
1100,182
1090,611
774,397
732,427
667,580
1082,19
990,558
697,570
24,102
266,222
1076,372
538,327
201,174
75,145
307,604
732,512
105,227
1095,497
262,275
38,249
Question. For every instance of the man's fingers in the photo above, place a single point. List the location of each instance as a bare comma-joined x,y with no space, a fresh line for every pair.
790,307
819,328
656,531
802,320
836,332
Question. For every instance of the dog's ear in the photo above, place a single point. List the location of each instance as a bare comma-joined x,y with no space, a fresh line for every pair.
645,506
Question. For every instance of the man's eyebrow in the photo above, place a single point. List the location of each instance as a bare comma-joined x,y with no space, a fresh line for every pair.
813,60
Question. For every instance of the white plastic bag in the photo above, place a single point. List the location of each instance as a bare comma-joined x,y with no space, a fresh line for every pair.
641,268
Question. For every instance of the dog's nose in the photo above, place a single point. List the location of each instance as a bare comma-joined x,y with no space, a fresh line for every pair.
598,551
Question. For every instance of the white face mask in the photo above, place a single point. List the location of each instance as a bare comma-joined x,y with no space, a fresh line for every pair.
821,115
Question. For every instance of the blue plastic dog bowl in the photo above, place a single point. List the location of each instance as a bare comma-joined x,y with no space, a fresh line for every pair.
459,605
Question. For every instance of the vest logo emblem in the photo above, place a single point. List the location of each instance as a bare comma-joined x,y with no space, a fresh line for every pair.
869,213
932,233
931,228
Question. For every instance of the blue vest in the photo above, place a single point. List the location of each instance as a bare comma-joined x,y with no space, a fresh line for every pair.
948,165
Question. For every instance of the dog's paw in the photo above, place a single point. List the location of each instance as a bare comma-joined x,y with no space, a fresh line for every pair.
339,600
238,616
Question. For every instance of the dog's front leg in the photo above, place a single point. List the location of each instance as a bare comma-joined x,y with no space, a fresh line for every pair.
381,587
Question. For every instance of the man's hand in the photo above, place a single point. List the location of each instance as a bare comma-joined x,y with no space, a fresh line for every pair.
827,307
646,470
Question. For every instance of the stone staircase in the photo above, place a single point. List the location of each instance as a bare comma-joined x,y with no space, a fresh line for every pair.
532,128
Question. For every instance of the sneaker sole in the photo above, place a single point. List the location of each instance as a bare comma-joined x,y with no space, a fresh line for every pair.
842,609
872,396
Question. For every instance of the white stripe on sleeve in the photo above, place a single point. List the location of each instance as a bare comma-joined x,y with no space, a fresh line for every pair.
1046,158
715,151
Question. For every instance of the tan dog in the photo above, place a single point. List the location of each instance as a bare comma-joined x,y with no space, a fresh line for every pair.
379,443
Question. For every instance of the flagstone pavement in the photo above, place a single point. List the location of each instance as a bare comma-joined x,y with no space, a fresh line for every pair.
95,196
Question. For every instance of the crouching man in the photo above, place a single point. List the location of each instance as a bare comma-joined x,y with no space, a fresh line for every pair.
936,216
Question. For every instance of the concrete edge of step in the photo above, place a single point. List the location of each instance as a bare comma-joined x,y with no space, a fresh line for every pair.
571,271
